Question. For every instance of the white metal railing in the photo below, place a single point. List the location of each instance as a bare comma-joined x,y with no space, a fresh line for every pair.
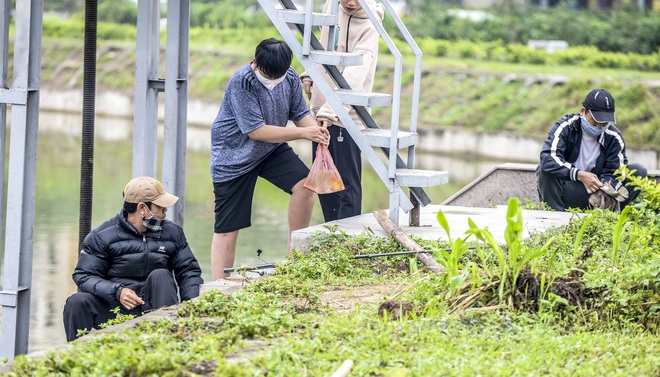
306,46
417,78
307,32
398,69
396,87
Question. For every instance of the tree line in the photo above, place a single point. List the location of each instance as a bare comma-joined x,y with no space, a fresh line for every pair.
625,29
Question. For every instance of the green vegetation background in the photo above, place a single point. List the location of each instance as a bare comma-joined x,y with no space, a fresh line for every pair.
478,75
579,300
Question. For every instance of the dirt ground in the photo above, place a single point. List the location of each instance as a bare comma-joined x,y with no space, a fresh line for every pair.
347,299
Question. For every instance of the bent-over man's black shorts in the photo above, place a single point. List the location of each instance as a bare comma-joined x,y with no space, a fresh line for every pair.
233,199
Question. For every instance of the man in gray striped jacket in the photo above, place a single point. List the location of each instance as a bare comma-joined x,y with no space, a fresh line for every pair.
581,154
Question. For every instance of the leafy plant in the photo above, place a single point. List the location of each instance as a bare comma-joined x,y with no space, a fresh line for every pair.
646,210
119,318
519,256
450,260
580,234
510,263
617,235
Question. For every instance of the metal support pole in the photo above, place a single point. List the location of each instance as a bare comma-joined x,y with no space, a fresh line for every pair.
7,298
145,119
641,5
5,16
176,97
332,30
414,215
87,134
21,185
307,33
395,200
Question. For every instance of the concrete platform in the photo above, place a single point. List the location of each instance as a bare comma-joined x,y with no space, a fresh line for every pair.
226,285
496,186
492,218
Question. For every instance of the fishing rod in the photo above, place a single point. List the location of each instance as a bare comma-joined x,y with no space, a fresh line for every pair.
257,268
403,253
393,254
269,265
272,265
250,268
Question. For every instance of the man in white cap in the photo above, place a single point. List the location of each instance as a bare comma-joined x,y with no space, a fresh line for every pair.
137,261
580,156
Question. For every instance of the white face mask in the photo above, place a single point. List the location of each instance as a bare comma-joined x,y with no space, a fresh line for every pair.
268,83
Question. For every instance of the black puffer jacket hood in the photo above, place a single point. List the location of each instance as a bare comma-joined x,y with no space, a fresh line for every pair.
116,255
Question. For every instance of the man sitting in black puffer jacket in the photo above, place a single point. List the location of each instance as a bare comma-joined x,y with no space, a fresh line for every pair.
131,261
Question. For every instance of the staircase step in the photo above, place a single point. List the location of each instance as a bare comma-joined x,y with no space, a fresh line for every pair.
298,17
421,178
381,138
345,59
351,97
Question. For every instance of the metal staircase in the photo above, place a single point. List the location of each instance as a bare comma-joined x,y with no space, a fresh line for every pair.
393,170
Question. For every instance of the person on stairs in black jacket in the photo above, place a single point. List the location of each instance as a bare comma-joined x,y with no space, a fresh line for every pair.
137,261
355,33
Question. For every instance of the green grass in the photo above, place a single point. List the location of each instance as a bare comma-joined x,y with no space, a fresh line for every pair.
596,316
280,326
443,346
451,347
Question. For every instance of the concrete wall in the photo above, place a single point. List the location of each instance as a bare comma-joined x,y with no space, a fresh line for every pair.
503,182
504,147
499,146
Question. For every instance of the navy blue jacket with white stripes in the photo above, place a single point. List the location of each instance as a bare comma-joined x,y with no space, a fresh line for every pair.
562,147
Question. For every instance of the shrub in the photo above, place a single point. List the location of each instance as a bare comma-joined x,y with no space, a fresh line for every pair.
495,50
536,56
625,30
574,55
466,49
515,53
608,60
435,47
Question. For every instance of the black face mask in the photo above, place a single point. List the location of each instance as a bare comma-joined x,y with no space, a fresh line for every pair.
153,223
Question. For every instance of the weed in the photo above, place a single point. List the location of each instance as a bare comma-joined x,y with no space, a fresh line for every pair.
617,235
580,233
450,260
119,318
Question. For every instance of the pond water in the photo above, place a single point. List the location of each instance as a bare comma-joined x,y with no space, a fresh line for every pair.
57,203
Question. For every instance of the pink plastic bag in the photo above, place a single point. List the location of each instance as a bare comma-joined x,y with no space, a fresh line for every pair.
323,177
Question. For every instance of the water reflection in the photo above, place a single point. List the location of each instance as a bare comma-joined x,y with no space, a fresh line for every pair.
56,227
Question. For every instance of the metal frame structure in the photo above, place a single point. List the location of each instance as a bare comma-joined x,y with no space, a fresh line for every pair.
395,173
308,61
175,85
23,96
